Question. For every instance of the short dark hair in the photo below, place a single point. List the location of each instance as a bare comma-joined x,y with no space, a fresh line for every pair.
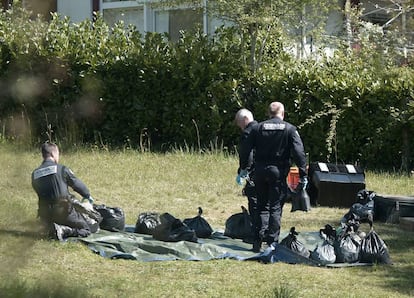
48,148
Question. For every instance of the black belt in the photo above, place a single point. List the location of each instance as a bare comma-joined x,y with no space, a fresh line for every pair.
269,163
55,203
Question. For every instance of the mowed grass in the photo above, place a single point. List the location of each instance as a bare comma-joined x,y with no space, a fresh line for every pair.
177,183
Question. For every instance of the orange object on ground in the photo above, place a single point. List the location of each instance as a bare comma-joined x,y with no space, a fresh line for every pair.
293,177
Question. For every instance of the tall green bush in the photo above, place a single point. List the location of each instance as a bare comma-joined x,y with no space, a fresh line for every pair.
91,83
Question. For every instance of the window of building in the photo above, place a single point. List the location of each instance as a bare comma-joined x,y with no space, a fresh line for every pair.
131,15
172,21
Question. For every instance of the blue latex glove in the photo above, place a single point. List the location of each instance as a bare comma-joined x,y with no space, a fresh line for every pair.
303,182
241,177
89,199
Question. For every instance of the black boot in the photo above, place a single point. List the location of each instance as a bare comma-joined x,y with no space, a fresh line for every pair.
257,245
60,232
83,233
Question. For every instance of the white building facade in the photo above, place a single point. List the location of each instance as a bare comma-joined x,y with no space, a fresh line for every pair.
144,15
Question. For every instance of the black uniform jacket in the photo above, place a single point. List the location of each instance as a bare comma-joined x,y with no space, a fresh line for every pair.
276,143
243,138
51,181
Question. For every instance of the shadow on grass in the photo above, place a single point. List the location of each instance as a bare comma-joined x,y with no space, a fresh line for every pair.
17,249
31,228
36,235
14,288
20,243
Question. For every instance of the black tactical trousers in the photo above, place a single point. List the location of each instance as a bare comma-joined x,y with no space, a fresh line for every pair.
269,191
64,213
250,192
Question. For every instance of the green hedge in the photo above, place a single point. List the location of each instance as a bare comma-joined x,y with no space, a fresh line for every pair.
89,83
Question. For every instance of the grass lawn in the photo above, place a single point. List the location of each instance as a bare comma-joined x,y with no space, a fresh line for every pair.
177,183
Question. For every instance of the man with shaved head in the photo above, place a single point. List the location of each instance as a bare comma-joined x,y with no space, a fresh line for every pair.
245,120
57,210
276,143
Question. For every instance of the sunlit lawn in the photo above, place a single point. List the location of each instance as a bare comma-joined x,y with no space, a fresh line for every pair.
177,183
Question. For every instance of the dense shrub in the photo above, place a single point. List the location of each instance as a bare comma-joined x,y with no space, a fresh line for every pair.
89,83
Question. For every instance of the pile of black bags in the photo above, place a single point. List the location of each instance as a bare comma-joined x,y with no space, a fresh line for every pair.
166,227
347,244
344,245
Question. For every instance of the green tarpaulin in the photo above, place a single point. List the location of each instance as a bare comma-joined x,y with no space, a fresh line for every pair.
129,245
141,247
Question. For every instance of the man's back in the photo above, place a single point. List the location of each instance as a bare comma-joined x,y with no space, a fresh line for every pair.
48,182
273,142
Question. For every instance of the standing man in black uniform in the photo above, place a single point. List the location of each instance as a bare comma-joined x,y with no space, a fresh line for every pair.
245,120
276,142
57,210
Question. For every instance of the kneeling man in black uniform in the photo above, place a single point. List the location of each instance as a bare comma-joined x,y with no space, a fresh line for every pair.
59,211
276,142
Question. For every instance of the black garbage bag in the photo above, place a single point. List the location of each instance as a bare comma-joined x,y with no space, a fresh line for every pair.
347,246
374,249
113,218
249,189
325,254
239,226
351,222
147,222
92,217
365,212
291,242
328,233
201,227
300,201
365,196
172,229
363,207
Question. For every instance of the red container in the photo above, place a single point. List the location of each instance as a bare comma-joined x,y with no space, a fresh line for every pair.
293,177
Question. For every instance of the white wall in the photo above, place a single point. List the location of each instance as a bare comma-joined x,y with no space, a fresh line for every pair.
76,10
161,21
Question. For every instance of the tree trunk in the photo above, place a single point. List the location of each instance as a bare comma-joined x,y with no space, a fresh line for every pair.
347,25
404,31
303,32
253,35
